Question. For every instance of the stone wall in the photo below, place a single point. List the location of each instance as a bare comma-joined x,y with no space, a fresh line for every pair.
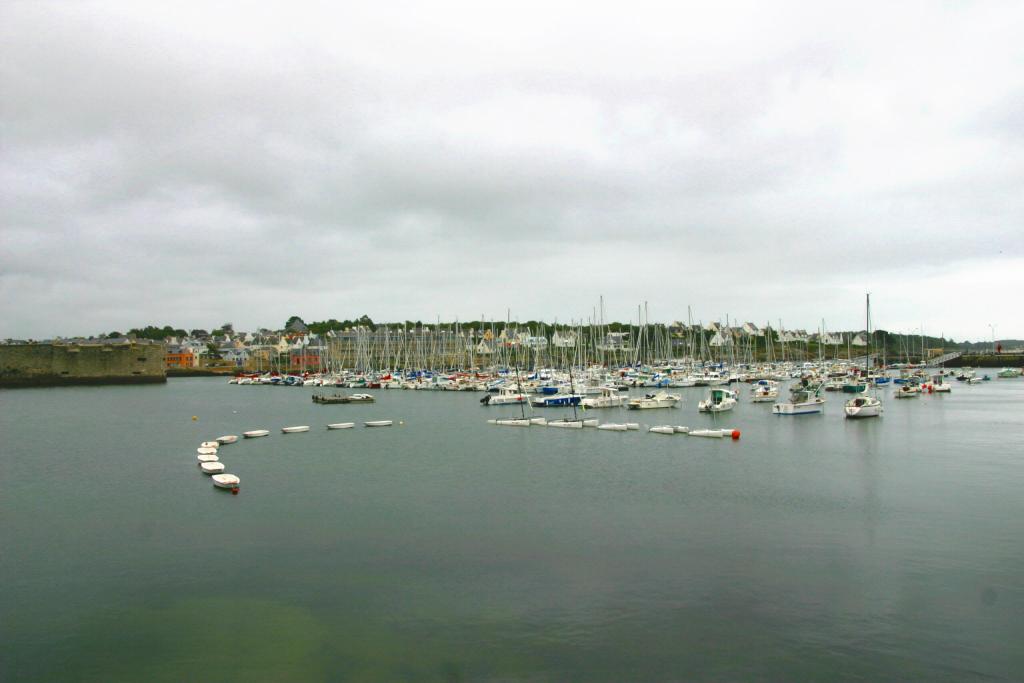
36,365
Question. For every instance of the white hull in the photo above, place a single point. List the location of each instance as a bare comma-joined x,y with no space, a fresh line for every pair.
379,423
205,450
710,433
295,430
226,481
605,402
256,433
566,424
506,400
510,423
611,427
863,407
659,400
211,467
206,457
805,408
341,425
227,439
708,407
663,429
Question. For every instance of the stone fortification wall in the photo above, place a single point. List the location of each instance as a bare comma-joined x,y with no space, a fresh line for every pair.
37,365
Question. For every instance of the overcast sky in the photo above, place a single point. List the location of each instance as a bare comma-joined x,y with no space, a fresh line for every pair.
197,163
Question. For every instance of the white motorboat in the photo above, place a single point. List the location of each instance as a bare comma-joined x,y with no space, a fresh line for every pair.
361,398
662,429
764,391
940,386
659,399
230,438
226,481
863,406
206,450
211,467
802,401
907,391
379,423
207,457
609,398
295,430
718,401
510,422
341,425
256,433
210,444
505,396
613,427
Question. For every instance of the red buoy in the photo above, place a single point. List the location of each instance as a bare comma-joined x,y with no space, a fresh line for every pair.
735,435
234,491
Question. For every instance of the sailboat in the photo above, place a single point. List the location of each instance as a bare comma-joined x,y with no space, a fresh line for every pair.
867,405
576,422
516,421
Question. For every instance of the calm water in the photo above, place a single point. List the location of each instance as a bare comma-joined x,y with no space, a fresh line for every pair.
815,548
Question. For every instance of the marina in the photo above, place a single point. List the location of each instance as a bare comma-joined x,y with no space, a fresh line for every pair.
891,504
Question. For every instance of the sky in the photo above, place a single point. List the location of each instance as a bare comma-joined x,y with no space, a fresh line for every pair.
199,163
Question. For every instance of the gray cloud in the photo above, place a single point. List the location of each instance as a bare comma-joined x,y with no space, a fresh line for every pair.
202,165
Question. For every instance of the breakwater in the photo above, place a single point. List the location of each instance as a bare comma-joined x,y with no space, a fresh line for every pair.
61,364
989,360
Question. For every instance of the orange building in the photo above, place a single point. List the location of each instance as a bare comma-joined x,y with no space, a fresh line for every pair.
181,358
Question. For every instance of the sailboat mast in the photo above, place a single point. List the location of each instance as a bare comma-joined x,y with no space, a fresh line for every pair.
867,322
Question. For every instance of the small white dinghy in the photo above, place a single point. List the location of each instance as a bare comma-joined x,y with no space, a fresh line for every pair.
230,438
206,457
341,425
663,429
204,450
226,481
379,423
210,444
295,430
256,433
613,427
211,467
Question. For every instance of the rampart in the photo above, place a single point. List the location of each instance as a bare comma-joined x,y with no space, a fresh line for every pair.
60,363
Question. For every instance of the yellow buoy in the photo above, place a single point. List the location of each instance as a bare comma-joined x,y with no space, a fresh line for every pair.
194,418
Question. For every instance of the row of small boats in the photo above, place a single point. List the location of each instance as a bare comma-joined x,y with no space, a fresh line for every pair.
210,464
257,433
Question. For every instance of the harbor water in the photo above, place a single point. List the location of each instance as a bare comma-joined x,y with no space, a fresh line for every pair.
814,548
